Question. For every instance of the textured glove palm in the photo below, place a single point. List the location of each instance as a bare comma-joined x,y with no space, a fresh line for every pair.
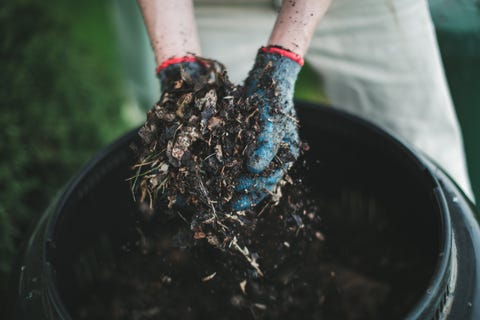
186,68
270,85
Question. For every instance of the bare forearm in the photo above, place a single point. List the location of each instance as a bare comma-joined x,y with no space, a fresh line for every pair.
171,28
296,24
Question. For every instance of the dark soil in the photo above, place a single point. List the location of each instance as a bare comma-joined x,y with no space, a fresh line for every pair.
162,272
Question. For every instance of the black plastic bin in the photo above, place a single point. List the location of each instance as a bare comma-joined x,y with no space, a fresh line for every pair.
438,227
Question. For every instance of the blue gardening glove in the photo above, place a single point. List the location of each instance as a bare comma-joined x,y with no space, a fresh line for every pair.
270,84
173,69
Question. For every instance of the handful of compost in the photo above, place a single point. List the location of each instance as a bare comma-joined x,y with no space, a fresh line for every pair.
217,149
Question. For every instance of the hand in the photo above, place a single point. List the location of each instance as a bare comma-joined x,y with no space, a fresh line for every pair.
185,68
188,69
270,85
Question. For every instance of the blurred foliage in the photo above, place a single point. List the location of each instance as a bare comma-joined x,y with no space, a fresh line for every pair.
458,32
59,103
309,86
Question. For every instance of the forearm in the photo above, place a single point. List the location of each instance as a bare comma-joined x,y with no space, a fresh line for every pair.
296,24
171,28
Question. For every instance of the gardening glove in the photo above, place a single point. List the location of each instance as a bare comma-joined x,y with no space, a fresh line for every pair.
173,69
270,85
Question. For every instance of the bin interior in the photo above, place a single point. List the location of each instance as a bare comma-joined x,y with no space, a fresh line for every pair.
380,214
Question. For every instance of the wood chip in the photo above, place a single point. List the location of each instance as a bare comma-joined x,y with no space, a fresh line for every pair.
243,286
319,236
210,277
214,122
199,235
260,306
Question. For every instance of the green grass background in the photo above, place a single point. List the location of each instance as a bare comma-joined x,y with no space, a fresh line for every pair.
60,99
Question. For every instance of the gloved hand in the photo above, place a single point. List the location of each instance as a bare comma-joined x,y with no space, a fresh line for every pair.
173,69
271,84
169,73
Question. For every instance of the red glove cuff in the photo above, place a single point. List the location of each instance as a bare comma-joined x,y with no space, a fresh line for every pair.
175,60
284,53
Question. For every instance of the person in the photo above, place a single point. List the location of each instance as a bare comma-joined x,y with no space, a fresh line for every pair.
378,59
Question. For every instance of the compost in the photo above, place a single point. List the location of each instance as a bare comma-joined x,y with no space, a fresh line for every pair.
188,256
162,272
194,146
